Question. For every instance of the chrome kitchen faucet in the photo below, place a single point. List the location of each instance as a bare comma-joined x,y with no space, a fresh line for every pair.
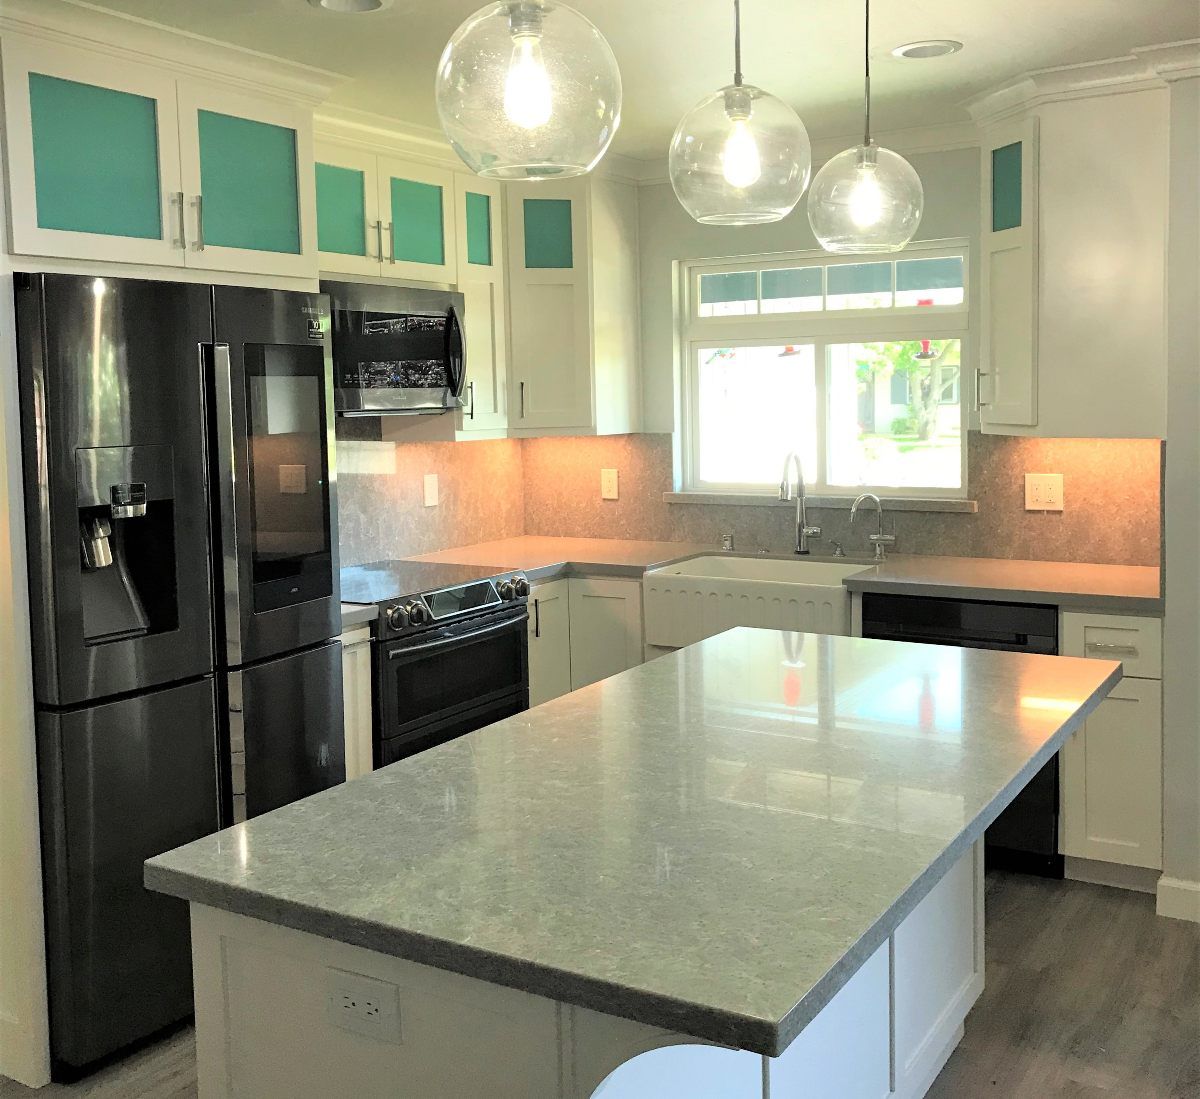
803,531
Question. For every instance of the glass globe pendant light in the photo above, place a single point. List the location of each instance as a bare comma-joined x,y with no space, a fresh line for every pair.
528,89
740,156
866,199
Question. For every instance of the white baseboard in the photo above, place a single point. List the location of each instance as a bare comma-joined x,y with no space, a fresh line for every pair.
1111,874
1179,899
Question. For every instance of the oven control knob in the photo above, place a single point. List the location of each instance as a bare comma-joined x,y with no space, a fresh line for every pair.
521,587
397,617
418,613
505,588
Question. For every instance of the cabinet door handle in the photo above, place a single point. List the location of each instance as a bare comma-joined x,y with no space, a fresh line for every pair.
537,618
522,401
199,245
1112,647
391,242
379,241
979,375
177,197
471,388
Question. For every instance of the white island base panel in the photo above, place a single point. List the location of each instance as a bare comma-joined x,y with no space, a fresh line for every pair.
267,997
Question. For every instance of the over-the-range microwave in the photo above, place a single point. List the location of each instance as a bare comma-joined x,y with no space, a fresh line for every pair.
396,349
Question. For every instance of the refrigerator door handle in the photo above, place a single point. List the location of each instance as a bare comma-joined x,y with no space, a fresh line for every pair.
224,480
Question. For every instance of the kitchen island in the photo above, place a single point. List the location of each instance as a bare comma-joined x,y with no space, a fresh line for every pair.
752,864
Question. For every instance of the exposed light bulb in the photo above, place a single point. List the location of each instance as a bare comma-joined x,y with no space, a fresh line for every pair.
527,98
866,198
740,162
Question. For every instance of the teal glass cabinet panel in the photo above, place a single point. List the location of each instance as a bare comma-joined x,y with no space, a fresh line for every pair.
417,222
1006,187
548,233
249,184
95,159
479,229
341,210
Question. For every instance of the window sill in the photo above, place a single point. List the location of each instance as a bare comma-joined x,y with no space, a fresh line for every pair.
890,503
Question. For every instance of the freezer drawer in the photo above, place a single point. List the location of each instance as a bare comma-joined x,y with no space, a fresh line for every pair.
120,783
285,730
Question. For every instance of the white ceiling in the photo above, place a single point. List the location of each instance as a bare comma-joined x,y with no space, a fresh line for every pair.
672,52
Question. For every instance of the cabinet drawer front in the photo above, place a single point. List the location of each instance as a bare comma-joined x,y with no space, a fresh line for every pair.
1136,642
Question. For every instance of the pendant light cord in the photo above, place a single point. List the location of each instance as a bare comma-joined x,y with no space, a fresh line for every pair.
737,43
866,72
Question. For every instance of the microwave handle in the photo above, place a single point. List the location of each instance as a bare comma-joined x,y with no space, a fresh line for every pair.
454,326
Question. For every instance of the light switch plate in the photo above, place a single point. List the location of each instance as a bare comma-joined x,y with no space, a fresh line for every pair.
1043,492
431,490
608,484
293,480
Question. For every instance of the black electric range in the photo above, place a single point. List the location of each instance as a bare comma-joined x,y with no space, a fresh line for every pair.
451,652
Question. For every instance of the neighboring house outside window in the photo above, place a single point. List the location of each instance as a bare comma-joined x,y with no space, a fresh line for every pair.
853,362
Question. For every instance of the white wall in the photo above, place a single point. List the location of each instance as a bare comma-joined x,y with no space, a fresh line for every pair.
24,1049
1179,893
668,233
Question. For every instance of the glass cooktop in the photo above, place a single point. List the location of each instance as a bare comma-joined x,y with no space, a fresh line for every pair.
384,581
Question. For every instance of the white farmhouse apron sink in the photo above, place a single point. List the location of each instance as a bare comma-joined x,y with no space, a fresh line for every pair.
690,600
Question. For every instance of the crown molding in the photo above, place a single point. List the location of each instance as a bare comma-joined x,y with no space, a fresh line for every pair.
123,37
1173,60
1144,67
380,133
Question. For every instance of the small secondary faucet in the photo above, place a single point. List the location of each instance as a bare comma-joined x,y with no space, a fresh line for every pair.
880,540
803,531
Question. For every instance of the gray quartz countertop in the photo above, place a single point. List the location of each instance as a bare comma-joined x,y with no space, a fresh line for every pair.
712,842
358,614
1120,589
543,558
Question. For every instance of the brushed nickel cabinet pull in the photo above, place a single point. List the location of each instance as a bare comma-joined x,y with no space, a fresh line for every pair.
199,245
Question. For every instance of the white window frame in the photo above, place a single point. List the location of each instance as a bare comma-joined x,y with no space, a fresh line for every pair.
820,329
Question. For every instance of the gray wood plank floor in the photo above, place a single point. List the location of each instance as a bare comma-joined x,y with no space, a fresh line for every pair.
1089,995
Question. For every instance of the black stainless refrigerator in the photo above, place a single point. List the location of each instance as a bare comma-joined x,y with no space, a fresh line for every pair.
180,511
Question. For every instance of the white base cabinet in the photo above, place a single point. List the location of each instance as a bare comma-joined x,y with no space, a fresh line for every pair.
549,642
1112,767
581,630
356,701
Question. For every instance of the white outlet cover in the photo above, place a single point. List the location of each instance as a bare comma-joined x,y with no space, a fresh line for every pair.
431,490
363,1005
608,484
1043,492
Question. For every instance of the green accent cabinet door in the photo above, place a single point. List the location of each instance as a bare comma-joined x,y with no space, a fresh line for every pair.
341,211
248,180
92,156
421,238
548,233
247,170
95,159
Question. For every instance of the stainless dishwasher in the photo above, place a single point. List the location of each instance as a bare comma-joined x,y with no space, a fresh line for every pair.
1025,836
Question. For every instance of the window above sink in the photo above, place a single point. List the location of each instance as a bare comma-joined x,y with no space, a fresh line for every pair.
853,362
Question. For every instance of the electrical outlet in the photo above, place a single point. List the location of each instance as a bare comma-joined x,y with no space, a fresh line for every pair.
431,490
1043,492
608,484
363,1005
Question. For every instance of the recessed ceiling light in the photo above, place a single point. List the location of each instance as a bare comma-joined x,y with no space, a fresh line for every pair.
351,7
933,47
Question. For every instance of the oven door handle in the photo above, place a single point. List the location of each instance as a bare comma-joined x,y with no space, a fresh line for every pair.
508,623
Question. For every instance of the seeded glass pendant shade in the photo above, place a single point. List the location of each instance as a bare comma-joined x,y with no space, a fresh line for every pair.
740,156
866,199
528,89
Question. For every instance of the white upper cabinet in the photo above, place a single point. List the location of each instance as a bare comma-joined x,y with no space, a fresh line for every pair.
573,296
479,220
1073,258
117,161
